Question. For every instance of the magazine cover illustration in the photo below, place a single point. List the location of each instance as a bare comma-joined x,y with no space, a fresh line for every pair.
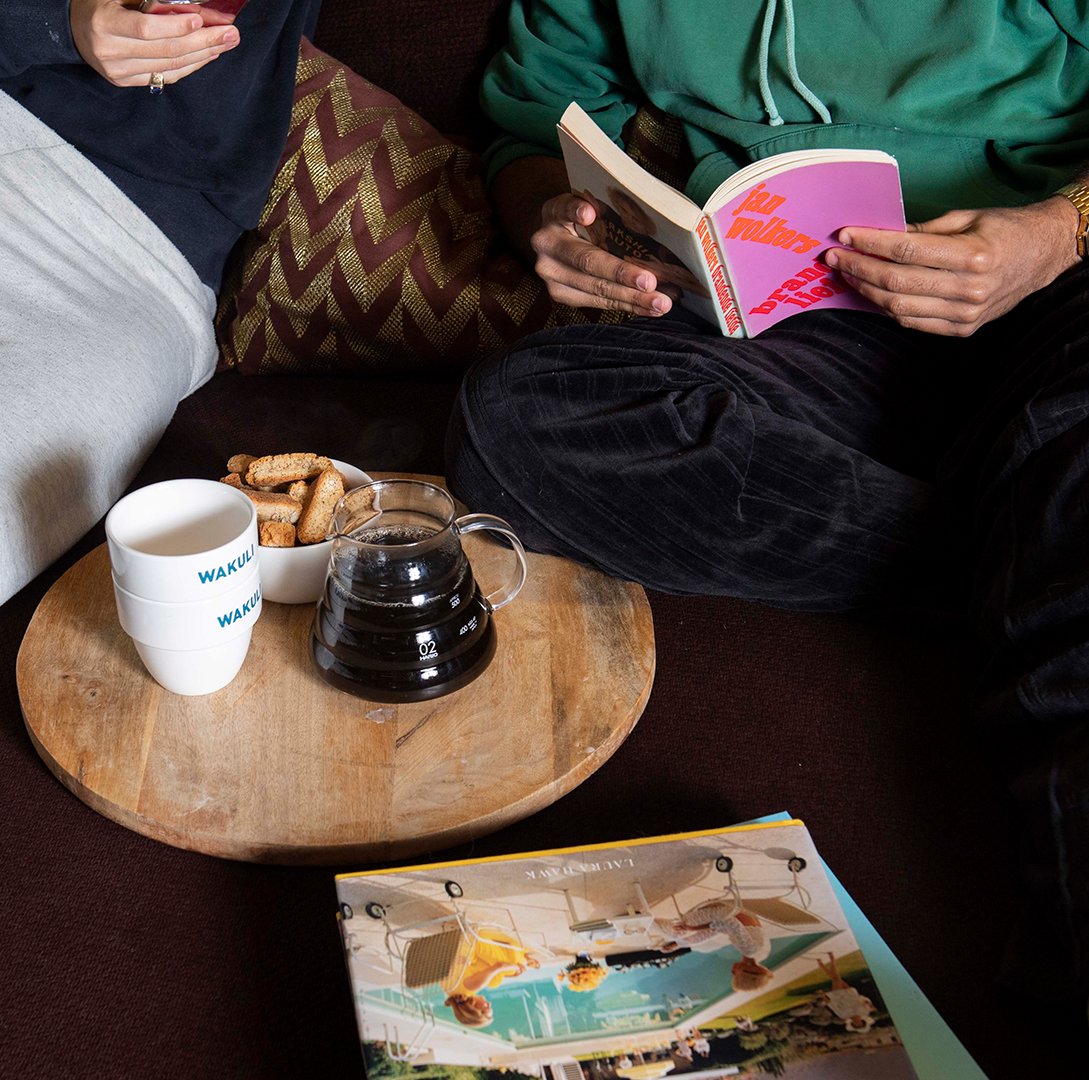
713,954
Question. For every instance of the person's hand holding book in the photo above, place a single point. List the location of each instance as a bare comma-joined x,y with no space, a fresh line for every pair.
540,216
957,272
581,274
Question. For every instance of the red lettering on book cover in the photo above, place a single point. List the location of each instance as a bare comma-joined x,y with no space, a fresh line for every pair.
718,277
775,231
829,286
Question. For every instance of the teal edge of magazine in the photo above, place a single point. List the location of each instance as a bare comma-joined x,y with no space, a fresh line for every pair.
935,1052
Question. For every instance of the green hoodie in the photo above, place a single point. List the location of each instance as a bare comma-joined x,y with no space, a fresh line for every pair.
982,102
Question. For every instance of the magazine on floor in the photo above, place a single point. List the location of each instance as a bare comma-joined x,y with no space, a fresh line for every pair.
711,954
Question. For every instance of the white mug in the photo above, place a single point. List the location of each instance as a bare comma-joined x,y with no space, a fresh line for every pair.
182,540
196,671
199,624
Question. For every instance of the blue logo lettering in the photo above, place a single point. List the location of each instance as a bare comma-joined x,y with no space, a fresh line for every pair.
242,612
237,563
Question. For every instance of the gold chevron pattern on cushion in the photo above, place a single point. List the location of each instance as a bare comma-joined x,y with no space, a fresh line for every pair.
376,251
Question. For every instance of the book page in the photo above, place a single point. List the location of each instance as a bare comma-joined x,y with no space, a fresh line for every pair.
635,230
577,124
711,954
765,167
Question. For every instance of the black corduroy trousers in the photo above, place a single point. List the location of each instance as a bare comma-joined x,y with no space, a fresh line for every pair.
837,461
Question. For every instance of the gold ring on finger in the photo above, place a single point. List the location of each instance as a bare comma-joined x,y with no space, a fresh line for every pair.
157,82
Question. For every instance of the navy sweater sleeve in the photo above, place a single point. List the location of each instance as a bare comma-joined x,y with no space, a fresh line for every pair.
199,158
34,33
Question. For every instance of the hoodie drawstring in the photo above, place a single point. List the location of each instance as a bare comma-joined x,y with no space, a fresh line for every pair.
818,106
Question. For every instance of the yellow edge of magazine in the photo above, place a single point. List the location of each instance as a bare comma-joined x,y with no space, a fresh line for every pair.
572,850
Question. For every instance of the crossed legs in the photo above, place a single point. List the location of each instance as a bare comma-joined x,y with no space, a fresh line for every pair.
811,468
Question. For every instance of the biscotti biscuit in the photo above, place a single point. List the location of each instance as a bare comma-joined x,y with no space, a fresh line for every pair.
299,490
240,463
274,507
285,468
232,480
277,534
325,492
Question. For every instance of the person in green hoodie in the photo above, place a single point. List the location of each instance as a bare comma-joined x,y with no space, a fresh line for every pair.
935,452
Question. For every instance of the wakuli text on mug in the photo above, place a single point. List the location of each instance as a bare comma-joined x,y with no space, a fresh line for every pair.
198,624
238,565
182,540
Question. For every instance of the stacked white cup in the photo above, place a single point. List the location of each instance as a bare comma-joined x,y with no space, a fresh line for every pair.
185,576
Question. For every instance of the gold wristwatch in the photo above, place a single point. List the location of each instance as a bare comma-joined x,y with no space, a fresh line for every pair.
1078,194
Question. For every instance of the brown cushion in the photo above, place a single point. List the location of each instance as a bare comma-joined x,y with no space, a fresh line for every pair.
376,251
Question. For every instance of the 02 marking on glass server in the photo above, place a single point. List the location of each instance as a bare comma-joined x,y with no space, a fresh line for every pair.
428,649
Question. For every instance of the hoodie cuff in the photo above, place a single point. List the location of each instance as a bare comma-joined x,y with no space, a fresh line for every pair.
506,149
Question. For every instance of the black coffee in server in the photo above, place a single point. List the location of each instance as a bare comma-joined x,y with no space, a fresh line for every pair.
401,618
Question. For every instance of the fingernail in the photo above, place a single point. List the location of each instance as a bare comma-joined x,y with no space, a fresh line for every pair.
230,37
195,24
845,237
643,282
850,279
660,303
831,258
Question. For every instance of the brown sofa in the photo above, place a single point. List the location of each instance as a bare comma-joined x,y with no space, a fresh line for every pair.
122,957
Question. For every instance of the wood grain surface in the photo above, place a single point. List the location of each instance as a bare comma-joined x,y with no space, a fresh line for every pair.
280,767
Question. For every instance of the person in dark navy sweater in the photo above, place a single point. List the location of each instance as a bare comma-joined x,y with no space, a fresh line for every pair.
135,149
199,157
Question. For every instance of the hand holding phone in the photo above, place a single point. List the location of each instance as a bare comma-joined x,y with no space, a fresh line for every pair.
128,48
212,12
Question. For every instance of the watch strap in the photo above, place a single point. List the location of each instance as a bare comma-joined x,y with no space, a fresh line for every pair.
1078,194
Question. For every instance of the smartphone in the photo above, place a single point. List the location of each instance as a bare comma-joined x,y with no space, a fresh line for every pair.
148,6
162,7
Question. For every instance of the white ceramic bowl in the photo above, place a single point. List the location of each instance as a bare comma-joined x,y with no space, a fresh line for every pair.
296,575
196,671
182,540
199,624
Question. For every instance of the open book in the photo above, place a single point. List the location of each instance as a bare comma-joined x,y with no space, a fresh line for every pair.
713,954
750,256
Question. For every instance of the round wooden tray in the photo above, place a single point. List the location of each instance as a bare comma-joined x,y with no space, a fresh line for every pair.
279,767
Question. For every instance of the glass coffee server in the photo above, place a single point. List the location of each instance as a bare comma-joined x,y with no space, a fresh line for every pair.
401,617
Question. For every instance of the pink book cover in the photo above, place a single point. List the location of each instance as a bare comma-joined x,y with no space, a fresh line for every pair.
773,233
